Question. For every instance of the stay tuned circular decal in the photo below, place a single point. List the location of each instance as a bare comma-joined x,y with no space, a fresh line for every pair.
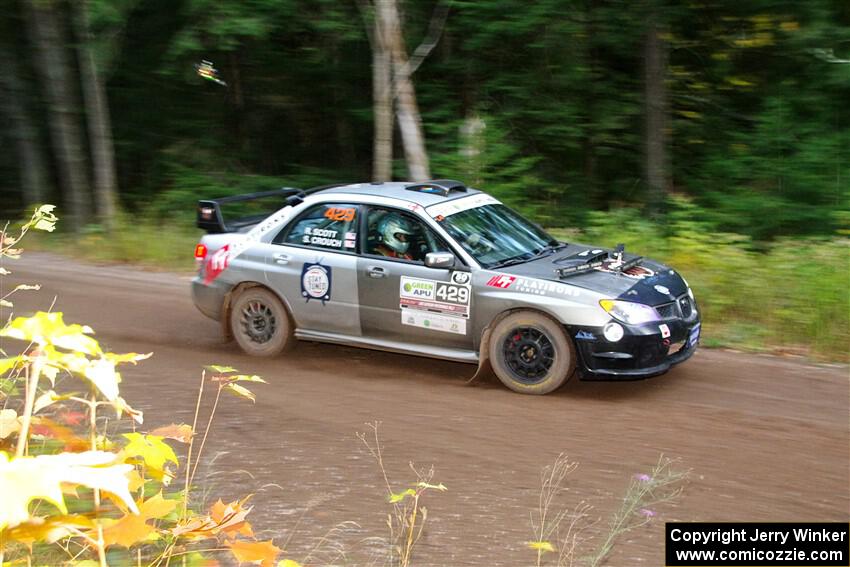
316,282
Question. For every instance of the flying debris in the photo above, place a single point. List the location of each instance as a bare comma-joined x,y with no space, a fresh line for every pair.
206,70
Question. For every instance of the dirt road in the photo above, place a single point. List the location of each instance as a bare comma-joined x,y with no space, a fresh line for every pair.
765,438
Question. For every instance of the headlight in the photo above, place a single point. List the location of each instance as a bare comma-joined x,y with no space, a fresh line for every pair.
628,312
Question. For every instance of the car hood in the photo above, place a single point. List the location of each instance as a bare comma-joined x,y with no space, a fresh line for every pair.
649,282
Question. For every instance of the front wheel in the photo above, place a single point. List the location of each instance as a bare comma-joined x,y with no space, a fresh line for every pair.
531,353
259,323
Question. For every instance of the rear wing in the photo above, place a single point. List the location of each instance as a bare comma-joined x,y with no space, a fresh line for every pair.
243,210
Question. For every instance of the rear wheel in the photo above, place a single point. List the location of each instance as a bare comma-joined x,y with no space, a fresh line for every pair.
259,323
531,353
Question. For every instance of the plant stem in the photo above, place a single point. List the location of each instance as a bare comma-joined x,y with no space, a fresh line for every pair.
101,547
191,444
206,433
33,373
411,530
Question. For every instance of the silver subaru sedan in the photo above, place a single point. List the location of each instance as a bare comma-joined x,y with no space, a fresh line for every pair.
438,269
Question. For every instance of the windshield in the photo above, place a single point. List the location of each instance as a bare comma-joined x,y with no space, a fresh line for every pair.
496,236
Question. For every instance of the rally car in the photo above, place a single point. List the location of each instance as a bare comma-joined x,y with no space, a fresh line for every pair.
438,269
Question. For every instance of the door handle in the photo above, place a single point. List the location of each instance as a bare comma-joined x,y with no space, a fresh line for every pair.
281,259
376,272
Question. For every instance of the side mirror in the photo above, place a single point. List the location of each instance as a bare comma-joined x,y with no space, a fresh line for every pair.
439,259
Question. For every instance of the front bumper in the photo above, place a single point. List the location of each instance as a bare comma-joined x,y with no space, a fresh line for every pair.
643,351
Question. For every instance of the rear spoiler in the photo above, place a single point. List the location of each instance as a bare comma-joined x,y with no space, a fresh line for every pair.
211,219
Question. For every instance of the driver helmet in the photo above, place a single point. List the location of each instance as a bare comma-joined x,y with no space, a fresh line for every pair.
395,231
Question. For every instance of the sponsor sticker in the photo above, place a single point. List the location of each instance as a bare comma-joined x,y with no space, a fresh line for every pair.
322,237
433,321
544,287
693,338
459,205
417,289
532,285
662,290
316,282
460,278
433,296
502,282
665,331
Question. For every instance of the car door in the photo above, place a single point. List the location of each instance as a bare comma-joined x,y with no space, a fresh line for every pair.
400,298
312,262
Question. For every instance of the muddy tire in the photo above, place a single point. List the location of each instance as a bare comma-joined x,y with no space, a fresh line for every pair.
531,354
260,323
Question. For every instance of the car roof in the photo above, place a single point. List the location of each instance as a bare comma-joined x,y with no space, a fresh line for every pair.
399,190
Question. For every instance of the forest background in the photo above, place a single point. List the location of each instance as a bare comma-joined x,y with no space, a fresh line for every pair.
712,134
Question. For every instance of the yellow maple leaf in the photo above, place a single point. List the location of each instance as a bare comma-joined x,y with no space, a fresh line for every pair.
133,528
135,480
48,530
262,552
541,545
182,433
127,531
228,519
25,479
49,329
151,449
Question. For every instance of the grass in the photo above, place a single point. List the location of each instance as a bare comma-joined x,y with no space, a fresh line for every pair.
788,297
145,242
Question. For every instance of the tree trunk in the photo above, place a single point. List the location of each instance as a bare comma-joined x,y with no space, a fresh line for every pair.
382,94
52,64
657,120
33,175
589,127
99,128
409,119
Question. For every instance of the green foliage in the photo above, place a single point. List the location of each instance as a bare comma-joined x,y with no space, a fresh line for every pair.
646,491
142,240
787,295
559,86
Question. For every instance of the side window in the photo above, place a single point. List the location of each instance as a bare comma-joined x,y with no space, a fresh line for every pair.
330,226
397,234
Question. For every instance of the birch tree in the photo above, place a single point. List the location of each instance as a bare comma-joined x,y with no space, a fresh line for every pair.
392,85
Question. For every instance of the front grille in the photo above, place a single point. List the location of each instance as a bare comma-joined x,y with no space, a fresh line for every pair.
667,311
686,307
682,308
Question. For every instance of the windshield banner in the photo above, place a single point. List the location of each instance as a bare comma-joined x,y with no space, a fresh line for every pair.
460,205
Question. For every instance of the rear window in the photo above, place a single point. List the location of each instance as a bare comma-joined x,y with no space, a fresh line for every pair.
329,226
